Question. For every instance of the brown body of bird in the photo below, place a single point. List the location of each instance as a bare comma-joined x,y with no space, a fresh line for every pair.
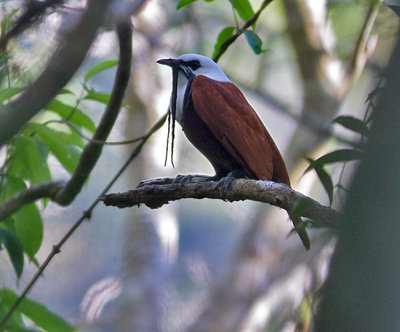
218,120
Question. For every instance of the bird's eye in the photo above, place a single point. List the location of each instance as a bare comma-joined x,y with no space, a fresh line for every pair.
194,64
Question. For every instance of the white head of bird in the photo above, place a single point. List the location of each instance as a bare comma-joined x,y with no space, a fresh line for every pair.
187,67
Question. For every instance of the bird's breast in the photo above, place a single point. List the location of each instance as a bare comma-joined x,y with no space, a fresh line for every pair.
179,103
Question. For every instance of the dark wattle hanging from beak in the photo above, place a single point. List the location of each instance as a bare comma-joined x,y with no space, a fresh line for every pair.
174,64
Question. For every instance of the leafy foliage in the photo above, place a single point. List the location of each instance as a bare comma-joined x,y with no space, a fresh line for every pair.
14,248
26,164
101,66
183,3
243,8
245,11
353,124
301,206
36,312
338,156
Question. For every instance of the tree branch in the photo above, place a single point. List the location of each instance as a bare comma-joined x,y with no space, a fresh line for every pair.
156,193
33,12
27,196
62,66
93,150
360,291
361,52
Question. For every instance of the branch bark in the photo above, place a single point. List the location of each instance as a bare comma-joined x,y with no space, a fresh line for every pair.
156,193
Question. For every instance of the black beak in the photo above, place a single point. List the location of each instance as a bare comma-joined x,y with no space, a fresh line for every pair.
169,62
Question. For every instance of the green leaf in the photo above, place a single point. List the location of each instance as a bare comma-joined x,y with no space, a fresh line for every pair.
334,157
244,9
72,114
326,181
37,312
183,3
222,37
68,155
98,96
9,93
43,317
300,207
27,162
14,185
254,41
14,249
353,124
101,66
320,224
29,229
65,92
38,167
15,322
18,161
73,138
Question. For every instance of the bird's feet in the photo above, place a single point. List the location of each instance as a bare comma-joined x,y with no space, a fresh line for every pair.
226,181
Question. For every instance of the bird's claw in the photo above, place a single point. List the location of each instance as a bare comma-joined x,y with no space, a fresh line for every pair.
181,179
226,182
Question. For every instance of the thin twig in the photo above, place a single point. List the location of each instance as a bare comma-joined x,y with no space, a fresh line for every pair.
356,63
240,31
92,140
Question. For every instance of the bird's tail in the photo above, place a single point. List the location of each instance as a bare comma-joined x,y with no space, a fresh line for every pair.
302,232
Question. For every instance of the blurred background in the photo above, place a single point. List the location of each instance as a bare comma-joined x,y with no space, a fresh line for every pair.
138,269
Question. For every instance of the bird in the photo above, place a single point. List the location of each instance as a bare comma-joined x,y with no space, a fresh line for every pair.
218,120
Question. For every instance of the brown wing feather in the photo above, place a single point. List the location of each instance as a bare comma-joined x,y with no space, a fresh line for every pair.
232,120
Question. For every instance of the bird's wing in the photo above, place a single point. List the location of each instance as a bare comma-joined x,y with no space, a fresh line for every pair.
226,112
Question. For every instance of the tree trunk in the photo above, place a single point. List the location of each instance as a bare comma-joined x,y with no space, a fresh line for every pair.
362,290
